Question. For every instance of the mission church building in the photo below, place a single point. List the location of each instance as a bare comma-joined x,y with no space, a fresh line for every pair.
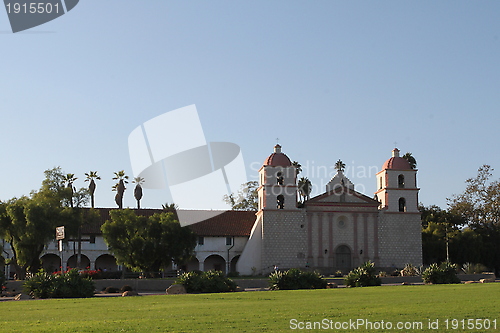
337,230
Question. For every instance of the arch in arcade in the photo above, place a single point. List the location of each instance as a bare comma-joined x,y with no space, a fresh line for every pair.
106,263
215,262
72,261
51,262
234,261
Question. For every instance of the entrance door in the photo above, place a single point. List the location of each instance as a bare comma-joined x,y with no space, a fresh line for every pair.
343,257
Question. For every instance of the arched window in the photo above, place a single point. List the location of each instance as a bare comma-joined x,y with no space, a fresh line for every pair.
380,183
279,178
280,201
402,204
401,181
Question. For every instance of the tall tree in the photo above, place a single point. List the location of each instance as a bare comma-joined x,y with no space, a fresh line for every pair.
409,157
298,167
138,190
28,223
120,187
340,166
440,229
91,177
245,199
147,244
305,188
69,179
479,206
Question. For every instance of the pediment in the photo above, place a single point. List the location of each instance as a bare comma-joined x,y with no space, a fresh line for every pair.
342,195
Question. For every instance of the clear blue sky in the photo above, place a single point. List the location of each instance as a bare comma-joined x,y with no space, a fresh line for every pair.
331,79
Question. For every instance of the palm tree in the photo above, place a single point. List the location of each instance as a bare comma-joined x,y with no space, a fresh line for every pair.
297,166
305,188
91,177
69,179
409,157
340,166
120,187
169,207
138,190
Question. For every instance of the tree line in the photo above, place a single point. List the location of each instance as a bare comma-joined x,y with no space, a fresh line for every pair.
140,243
468,231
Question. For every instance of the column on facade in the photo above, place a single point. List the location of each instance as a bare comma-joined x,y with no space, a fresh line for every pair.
376,258
366,257
310,262
355,255
201,265
320,240
331,252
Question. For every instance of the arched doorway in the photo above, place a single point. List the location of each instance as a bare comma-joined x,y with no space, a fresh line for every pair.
105,263
72,261
51,262
233,263
215,262
343,258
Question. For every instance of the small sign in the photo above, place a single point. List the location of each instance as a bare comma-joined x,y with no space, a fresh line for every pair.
60,233
60,245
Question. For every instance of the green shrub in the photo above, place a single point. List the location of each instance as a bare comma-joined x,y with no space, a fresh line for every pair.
363,276
64,285
206,282
296,279
444,273
470,268
382,274
410,270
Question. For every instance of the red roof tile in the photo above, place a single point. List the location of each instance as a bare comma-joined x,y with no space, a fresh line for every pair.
230,223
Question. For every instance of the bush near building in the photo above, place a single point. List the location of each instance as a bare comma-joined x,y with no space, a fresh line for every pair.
206,282
68,284
296,279
443,273
363,276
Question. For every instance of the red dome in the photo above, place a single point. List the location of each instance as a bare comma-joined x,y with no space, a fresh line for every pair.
278,158
396,162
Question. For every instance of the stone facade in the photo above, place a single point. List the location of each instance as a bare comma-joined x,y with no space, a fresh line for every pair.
339,229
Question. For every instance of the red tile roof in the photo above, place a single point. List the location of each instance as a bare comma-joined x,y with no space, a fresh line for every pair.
230,223
396,163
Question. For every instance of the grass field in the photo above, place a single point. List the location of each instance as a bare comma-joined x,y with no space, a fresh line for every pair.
270,311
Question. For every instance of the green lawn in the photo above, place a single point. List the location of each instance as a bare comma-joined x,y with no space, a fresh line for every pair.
270,311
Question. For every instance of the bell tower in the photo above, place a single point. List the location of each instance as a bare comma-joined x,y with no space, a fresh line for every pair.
397,185
399,225
277,183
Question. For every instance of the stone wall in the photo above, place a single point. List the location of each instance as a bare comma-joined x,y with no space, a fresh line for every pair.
283,239
400,236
